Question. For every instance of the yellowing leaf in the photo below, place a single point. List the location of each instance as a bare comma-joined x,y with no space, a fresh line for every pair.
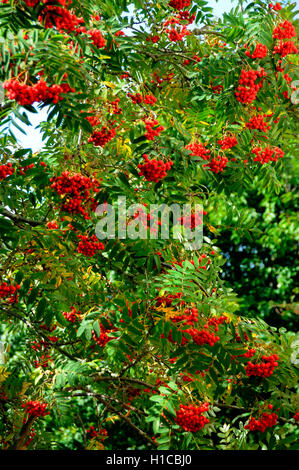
25,386
169,312
3,374
95,445
109,84
87,274
112,419
228,316
212,229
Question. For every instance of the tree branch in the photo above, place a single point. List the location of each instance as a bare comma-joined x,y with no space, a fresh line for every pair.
17,218
124,379
21,438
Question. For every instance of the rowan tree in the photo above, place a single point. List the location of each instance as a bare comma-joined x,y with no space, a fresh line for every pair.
162,103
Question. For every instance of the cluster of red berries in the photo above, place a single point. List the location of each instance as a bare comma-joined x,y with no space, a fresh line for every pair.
29,94
3,395
93,120
32,3
138,99
103,339
95,35
133,393
275,7
194,58
159,382
31,436
186,16
89,246
152,128
45,344
72,315
168,299
193,220
248,354
201,337
77,188
59,17
23,169
9,291
258,122
102,137
154,170
52,225
92,433
278,66
189,317
177,31
238,337
114,106
48,328
296,417
125,76
119,33
285,48
97,38
200,260
198,150
259,52
179,4
217,89
156,80
6,170
154,39
228,142
35,408
150,99
285,30
43,361
265,369
267,420
187,377
287,77
38,346
248,87
267,155
216,321
147,219
53,339
286,94
217,164
177,34
190,417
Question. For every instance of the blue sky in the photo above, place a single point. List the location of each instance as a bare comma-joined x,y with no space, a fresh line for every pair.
33,139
